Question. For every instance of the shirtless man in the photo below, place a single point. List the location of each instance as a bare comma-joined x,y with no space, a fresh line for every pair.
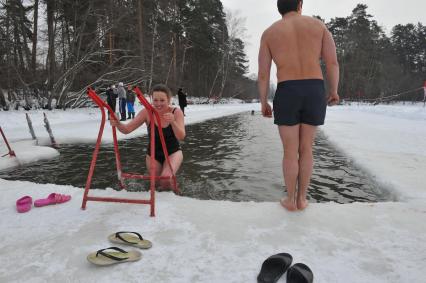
296,44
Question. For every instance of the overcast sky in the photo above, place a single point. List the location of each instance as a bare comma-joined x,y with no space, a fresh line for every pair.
259,14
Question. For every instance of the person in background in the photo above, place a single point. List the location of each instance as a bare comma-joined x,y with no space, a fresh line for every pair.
182,100
122,100
111,95
173,127
296,44
130,98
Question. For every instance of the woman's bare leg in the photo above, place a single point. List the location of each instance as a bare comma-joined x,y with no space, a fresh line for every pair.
158,166
176,161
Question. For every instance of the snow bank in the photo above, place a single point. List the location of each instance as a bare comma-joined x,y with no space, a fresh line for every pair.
208,241
222,241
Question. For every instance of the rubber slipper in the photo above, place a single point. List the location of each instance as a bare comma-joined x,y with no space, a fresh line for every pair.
53,198
130,238
24,204
300,273
113,255
274,267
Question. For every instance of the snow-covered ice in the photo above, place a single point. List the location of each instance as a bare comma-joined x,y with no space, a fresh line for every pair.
223,241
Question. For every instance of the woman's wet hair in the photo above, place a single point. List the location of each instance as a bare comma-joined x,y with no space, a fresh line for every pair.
285,6
162,88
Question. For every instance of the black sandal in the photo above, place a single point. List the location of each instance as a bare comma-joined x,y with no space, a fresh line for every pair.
274,267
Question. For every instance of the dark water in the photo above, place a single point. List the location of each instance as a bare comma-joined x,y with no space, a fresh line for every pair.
234,158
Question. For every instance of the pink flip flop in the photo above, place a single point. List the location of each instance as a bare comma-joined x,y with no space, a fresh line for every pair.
24,204
53,198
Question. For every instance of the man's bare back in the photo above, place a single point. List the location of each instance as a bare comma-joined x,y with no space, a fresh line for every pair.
296,44
287,41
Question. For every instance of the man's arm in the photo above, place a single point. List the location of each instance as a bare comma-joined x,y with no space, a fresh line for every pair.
329,57
264,61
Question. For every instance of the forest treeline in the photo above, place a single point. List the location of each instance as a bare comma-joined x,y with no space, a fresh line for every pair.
52,50
55,49
374,65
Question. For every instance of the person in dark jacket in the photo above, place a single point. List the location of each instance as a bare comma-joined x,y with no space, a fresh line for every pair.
111,95
182,100
122,100
130,102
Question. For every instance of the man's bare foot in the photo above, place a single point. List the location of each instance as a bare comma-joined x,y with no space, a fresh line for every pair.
302,204
288,204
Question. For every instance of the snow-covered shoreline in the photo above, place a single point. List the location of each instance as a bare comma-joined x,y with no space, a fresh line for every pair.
222,241
389,141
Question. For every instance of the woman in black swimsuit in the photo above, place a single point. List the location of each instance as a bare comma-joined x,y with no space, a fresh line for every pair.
173,129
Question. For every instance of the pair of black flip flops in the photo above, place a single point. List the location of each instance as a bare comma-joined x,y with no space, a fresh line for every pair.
276,265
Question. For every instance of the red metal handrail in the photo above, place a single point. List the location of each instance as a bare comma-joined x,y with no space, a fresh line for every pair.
11,152
151,110
154,117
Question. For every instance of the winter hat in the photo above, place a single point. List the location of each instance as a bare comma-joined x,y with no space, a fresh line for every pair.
120,84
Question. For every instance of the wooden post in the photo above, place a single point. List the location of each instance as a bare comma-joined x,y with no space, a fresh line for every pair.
30,126
49,130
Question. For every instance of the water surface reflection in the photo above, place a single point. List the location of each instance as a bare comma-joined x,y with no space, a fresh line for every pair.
234,158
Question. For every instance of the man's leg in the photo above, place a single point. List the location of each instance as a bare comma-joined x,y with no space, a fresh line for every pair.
110,105
123,109
290,139
306,161
133,110
129,113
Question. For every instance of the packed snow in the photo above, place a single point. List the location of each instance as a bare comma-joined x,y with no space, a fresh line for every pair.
223,241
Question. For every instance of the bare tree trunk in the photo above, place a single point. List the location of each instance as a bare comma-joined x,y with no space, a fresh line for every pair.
18,46
174,63
225,69
168,72
51,51
35,33
8,48
182,67
175,45
151,73
64,53
140,32
110,35
214,82
24,37
2,100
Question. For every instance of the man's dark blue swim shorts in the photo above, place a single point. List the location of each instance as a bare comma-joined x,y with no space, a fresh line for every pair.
300,102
